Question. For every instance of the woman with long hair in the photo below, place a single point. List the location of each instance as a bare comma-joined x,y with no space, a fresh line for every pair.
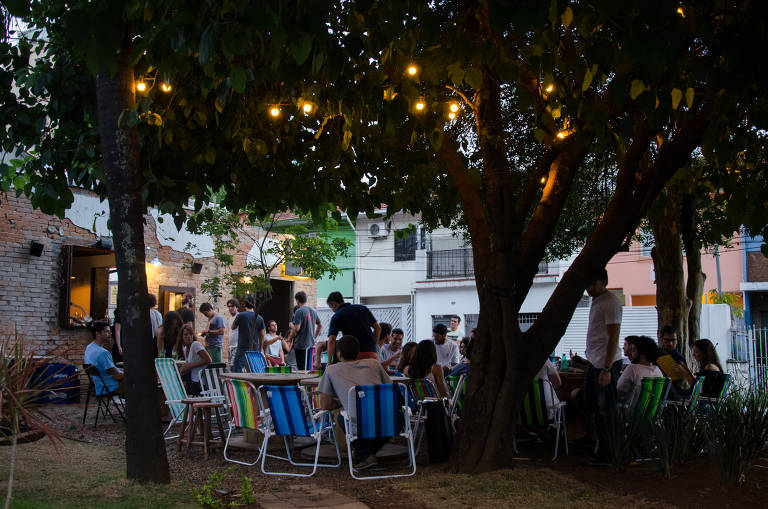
708,366
168,333
424,365
406,357
197,357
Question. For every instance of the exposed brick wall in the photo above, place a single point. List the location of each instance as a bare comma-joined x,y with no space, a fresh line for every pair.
30,286
757,267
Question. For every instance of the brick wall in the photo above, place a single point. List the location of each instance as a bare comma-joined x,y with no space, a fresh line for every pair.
30,286
757,267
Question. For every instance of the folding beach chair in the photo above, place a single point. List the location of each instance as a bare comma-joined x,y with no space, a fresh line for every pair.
708,404
173,388
309,357
422,389
377,410
290,416
256,361
278,369
458,385
244,411
104,398
210,381
535,412
652,397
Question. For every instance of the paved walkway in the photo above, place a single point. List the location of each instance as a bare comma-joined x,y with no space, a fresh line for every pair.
307,495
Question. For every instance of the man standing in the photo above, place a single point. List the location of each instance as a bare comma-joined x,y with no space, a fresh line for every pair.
155,318
214,332
97,354
447,351
187,309
249,325
603,355
335,385
354,320
454,334
232,307
306,327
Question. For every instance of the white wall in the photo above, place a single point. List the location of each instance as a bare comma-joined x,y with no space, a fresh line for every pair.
447,300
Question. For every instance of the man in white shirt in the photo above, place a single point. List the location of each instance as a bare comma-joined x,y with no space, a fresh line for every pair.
604,357
273,345
447,351
643,352
233,307
454,334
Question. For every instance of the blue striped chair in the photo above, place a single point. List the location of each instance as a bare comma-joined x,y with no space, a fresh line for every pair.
376,415
256,361
290,416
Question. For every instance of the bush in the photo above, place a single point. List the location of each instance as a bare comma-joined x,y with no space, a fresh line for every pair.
626,432
738,431
675,438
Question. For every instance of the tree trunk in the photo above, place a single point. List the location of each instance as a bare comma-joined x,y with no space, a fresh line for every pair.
671,303
695,285
144,444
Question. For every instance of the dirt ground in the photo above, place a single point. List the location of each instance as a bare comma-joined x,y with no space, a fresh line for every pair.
535,481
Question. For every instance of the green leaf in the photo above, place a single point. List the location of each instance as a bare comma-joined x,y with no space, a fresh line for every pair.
637,88
677,94
474,77
300,48
208,42
237,80
689,97
588,77
210,155
540,135
567,17
436,139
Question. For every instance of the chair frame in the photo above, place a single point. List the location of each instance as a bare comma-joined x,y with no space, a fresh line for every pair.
420,416
558,419
351,432
455,398
714,403
173,403
210,381
259,417
102,400
321,422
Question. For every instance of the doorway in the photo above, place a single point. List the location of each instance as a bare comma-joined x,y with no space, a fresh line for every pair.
280,307
171,296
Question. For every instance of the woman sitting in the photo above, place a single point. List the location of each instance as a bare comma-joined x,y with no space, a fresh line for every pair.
406,357
643,352
197,358
708,366
424,365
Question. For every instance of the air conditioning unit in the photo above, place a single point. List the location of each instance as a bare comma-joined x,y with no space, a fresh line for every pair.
378,230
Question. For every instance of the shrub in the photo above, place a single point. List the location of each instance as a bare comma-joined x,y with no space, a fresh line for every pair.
675,438
625,431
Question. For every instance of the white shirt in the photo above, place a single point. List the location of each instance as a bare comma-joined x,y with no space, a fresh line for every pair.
604,311
550,397
631,380
447,353
274,348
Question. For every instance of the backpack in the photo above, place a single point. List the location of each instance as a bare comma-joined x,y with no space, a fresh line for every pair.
439,431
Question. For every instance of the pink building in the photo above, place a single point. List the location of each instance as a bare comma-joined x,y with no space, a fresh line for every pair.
631,274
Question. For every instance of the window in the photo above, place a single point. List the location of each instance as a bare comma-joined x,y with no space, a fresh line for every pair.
526,320
405,244
87,282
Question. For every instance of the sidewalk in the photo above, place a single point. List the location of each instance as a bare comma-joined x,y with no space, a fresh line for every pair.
307,495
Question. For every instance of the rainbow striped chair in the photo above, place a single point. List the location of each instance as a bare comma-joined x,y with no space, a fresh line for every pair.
256,361
376,416
422,389
244,412
290,415
706,405
278,369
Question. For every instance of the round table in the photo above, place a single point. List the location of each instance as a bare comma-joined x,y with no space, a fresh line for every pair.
269,378
314,381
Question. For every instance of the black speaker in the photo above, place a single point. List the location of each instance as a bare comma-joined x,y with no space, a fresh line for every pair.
36,248
197,268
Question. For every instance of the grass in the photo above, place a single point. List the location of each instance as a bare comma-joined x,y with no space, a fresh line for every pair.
82,476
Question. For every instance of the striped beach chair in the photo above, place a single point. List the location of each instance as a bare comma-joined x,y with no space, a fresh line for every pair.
245,413
706,405
541,409
290,416
653,396
173,389
422,389
458,385
256,361
278,369
378,414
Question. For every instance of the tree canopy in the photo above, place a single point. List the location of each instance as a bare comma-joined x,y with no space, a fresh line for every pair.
547,96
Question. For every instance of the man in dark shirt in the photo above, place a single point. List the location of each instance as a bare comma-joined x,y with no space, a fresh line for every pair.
244,323
668,344
354,320
187,309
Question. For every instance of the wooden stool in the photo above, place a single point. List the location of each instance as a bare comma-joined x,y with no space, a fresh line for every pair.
200,426
186,419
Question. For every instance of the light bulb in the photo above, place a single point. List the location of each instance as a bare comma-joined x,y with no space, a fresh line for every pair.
419,105
543,180
307,108
454,107
165,87
451,115
274,111
549,88
141,86
412,70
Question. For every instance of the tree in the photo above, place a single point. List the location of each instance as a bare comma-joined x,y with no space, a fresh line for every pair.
317,103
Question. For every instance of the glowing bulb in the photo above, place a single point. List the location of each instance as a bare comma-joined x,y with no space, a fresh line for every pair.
549,88
412,70
165,87
451,115
274,111
562,134
681,12
307,108
419,105
543,180
454,107
141,86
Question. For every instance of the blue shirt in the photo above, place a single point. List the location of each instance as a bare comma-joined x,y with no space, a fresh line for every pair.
217,322
355,320
101,359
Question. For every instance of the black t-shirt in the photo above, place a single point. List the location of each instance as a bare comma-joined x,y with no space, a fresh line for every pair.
187,315
355,320
244,322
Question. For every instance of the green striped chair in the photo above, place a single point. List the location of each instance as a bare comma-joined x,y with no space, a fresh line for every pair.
693,399
458,386
244,412
421,389
174,391
708,404
653,396
278,369
541,409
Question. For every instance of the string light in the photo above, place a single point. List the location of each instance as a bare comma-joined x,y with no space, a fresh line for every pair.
549,88
141,86
274,111
543,180
451,115
165,87
454,108
307,108
419,105
412,70
681,12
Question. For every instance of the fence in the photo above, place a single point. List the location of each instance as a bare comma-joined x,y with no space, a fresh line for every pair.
397,315
756,343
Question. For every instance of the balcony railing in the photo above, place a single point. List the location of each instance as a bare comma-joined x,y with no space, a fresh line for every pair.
458,263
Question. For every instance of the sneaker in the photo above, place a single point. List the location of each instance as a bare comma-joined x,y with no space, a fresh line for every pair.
368,462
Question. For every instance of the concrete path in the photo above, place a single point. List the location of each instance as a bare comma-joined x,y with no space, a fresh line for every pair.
307,495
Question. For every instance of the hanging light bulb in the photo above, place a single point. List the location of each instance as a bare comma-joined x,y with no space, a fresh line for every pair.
451,115
274,111
454,107
420,105
307,108
165,87
412,70
141,86
549,88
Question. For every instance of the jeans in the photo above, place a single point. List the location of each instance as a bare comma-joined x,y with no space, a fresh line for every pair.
214,352
599,402
239,363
